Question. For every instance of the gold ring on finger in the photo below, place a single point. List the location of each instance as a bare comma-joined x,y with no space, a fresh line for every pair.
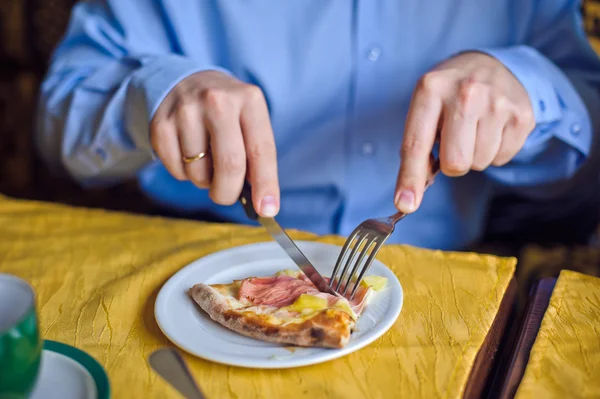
195,157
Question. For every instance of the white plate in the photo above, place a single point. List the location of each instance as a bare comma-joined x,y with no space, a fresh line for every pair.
188,327
69,373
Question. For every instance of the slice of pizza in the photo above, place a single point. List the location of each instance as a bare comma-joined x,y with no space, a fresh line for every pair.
286,308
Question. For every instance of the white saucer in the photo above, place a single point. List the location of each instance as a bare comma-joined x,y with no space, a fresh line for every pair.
181,320
68,373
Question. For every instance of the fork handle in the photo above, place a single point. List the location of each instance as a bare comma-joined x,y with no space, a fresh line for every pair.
434,170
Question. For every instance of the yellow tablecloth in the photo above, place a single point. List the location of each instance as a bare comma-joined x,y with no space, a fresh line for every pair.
97,275
565,358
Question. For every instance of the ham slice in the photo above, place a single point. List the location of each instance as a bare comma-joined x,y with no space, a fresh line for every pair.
275,291
279,291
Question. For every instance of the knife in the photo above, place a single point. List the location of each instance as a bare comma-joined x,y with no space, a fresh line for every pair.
277,232
169,364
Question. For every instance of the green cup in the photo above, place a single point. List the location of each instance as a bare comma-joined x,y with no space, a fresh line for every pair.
20,343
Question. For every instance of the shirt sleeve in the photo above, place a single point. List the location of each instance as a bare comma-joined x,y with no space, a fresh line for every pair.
106,80
561,74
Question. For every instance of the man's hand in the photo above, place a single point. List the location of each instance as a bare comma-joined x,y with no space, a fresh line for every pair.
483,116
213,108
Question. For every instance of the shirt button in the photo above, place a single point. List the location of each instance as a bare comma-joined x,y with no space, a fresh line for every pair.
575,129
368,148
374,54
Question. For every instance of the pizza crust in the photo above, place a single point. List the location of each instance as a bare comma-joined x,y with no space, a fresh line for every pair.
330,328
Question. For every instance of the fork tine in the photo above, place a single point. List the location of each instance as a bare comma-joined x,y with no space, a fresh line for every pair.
366,266
342,254
358,262
361,236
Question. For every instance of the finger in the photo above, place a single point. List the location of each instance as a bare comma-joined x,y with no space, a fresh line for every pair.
227,148
459,126
165,142
261,153
489,133
514,136
419,136
487,142
512,141
193,140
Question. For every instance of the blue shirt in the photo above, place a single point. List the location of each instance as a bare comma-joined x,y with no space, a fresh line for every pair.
338,77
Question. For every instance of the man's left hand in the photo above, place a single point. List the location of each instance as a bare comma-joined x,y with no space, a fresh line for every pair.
478,110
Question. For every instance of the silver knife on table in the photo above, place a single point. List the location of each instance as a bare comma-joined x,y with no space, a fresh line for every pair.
288,245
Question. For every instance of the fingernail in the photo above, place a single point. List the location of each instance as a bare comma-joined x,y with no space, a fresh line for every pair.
268,206
405,201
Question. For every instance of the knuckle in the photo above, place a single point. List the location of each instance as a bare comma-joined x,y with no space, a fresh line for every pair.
479,165
220,197
260,151
252,93
187,110
198,178
500,160
456,167
430,82
504,156
231,164
216,101
468,91
413,146
499,105
179,175
202,183
524,120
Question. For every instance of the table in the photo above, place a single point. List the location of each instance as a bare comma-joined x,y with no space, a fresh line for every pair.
97,274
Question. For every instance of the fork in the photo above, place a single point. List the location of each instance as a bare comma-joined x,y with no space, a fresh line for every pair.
370,235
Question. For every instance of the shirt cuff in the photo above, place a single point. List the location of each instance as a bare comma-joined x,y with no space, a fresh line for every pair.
558,108
524,63
149,86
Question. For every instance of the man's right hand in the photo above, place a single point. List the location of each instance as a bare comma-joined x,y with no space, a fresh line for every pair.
213,108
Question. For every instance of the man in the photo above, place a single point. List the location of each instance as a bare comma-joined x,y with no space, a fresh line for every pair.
329,108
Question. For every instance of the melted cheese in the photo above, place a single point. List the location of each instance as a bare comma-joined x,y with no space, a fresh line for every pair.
302,309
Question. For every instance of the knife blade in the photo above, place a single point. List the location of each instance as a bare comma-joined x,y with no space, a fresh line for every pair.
288,245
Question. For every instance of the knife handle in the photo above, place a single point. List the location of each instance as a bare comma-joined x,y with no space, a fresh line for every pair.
246,201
